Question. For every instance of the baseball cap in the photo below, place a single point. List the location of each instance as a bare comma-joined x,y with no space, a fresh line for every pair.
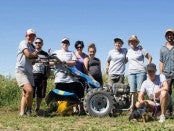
65,41
151,66
31,31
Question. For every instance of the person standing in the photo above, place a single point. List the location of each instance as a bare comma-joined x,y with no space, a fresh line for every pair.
167,62
24,67
40,71
116,60
136,68
79,45
93,64
64,80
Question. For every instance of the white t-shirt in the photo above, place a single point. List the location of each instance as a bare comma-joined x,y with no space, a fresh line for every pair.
62,73
117,61
148,87
136,60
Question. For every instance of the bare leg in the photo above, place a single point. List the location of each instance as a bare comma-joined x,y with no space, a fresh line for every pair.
27,96
23,103
164,100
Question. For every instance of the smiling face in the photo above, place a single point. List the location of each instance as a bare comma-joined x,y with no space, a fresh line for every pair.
91,52
118,45
169,37
38,44
30,38
79,48
133,43
65,46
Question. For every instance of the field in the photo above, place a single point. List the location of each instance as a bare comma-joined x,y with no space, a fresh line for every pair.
11,121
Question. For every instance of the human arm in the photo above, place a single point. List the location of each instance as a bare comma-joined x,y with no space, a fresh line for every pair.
141,97
149,57
107,66
165,87
161,67
86,60
30,55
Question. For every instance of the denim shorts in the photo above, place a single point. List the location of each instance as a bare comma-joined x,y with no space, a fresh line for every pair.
135,81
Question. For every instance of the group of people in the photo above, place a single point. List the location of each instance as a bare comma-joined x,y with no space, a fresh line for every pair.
32,72
32,75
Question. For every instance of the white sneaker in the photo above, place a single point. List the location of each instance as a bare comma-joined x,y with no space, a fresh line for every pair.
162,118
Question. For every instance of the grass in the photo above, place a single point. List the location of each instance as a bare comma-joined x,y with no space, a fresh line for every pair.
10,95
10,120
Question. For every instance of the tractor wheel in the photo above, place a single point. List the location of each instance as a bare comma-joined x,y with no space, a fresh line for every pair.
99,102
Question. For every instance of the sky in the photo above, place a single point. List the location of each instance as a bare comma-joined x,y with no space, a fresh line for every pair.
92,21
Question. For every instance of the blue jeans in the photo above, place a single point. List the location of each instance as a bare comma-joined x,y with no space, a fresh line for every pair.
135,81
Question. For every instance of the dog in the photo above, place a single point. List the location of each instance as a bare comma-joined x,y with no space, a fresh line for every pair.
141,114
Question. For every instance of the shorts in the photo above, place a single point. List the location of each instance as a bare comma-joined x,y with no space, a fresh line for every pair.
116,79
40,82
74,87
24,78
135,81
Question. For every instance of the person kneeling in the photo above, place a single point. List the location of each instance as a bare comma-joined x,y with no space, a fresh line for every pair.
156,88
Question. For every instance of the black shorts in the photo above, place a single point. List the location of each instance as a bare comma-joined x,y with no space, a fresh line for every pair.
40,85
75,87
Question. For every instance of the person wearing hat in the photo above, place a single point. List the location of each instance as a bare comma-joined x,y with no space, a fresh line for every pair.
116,60
167,62
63,79
136,66
156,88
24,67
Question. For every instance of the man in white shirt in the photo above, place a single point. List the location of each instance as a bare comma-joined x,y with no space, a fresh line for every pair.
156,88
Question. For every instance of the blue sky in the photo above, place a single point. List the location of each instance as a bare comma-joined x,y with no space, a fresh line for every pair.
97,21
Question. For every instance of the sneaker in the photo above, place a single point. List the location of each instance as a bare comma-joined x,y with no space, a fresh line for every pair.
22,114
28,112
162,118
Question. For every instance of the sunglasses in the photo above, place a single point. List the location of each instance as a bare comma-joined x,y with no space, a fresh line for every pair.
38,42
151,71
79,47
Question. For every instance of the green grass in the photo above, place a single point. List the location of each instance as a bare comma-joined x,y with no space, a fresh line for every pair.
10,120
10,95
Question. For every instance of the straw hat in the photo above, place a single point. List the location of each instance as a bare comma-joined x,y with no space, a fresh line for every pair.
133,38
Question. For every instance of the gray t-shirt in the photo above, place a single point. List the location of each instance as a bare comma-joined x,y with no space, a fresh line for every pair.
23,63
136,60
167,58
62,73
148,87
117,61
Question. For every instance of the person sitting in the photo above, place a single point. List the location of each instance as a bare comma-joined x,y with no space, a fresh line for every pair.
156,88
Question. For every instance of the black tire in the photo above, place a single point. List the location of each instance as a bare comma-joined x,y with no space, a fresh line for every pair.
99,102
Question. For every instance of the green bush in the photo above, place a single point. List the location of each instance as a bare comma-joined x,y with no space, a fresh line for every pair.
9,92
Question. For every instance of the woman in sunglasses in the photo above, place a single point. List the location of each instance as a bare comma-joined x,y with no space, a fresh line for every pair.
79,45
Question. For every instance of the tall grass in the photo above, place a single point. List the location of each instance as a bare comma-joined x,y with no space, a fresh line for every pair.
9,92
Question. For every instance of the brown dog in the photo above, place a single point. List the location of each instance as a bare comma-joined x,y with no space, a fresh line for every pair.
141,114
